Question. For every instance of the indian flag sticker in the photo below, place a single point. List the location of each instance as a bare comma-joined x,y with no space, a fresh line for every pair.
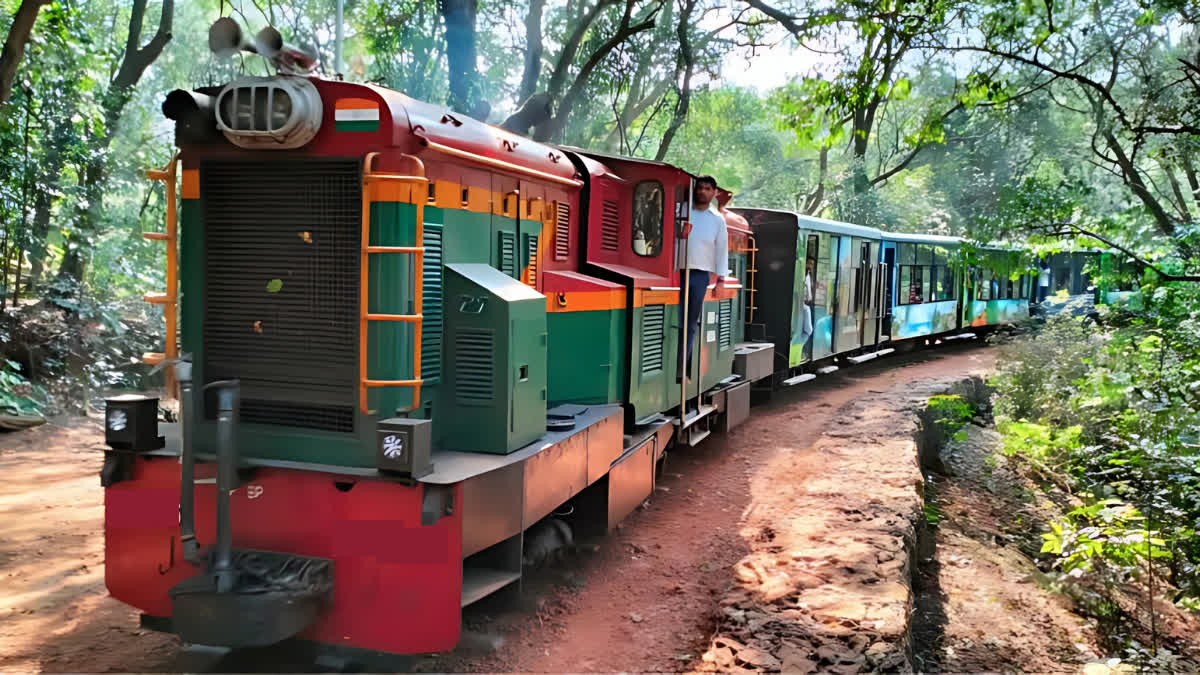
356,114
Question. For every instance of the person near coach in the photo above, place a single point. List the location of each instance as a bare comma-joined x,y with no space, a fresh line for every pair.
702,252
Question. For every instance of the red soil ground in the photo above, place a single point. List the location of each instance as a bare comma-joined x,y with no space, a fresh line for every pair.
643,599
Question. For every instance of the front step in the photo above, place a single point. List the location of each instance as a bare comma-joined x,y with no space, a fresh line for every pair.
798,379
867,357
827,370
693,416
960,336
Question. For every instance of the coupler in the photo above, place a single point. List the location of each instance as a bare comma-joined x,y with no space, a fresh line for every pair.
243,598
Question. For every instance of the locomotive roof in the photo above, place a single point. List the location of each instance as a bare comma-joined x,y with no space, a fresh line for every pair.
599,154
446,127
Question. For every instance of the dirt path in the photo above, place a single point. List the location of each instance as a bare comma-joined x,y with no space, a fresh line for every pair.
643,600
646,600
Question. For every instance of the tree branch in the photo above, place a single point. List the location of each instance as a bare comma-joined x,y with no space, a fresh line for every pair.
566,58
1063,74
14,45
624,32
1076,230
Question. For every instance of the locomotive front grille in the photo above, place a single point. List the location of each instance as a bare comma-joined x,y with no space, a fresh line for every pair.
281,254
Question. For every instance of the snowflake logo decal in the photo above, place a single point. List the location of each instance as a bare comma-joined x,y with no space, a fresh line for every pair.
117,420
393,446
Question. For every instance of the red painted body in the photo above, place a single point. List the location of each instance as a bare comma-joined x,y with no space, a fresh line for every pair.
397,583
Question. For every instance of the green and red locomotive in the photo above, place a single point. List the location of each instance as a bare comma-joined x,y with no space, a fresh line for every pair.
406,337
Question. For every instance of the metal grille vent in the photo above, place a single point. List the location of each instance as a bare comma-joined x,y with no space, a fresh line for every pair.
725,323
562,230
473,362
610,225
531,257
431,304
653,337
508,253
281,242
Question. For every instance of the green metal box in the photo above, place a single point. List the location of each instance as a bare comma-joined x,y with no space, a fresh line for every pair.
495,394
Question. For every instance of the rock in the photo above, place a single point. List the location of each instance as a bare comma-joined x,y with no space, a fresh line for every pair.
635,617
795,660
758,657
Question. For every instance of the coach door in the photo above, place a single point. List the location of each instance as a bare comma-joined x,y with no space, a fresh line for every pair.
868,292
889,292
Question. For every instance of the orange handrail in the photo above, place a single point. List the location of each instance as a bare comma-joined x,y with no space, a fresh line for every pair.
418,251
168,298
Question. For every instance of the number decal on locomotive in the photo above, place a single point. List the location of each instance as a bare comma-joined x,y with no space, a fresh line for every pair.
254,491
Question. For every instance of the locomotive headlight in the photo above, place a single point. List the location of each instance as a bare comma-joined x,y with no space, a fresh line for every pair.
131,423
269,112
117,420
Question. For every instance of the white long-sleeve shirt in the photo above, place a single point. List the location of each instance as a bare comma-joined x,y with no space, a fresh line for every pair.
707,245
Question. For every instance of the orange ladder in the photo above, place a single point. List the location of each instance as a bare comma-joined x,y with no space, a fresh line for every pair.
752,279
369,180
169,298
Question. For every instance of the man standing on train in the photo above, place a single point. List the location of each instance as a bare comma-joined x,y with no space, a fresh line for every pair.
703,251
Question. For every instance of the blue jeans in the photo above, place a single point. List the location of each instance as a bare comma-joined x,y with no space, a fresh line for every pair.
697,286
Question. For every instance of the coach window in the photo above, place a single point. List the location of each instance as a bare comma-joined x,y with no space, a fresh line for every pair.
648,218
949,292
908,254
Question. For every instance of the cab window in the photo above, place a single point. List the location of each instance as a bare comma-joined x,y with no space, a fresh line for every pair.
648,218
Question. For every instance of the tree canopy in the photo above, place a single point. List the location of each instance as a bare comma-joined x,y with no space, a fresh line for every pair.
996,119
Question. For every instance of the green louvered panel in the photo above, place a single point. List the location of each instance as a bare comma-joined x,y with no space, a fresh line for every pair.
531,257
725,323
508,253
474,363
431,304
653,337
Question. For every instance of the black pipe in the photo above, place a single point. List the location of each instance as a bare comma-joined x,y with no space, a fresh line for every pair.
185,104
187,470
228,396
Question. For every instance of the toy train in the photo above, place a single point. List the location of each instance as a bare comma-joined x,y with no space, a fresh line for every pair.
406,337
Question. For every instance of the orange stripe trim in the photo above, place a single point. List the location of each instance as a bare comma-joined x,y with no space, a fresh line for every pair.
585,301
643,297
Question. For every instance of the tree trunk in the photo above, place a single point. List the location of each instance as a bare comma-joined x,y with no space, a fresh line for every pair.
459,17
1189,170
533,50
1134,180
684,69
120,91
14,45
1177,190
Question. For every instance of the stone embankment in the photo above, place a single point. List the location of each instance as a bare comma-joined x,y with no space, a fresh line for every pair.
828,583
